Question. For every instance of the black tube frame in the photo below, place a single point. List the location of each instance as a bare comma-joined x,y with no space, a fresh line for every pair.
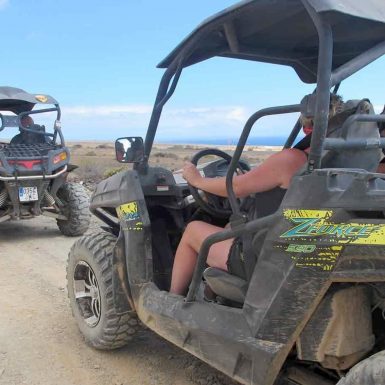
355,143
57,129
326,78
228,233
241,144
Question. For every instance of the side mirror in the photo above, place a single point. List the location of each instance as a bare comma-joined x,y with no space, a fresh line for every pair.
129,149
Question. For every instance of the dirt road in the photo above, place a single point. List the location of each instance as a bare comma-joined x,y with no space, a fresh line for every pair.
39,341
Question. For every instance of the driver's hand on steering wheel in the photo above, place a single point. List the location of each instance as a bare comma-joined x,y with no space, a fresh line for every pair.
191,174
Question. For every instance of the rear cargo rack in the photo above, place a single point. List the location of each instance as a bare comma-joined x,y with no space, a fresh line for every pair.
27,151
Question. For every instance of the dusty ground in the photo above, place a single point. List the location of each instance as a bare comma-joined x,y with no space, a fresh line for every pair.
39,341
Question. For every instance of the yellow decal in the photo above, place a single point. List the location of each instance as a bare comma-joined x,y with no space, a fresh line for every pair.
313,230
128,211
325,258
316,224
41,98
321,257
137,226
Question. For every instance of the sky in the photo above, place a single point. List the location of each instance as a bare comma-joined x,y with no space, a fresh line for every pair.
98,58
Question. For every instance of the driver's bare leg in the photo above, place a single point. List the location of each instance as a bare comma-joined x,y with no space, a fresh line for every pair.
186,254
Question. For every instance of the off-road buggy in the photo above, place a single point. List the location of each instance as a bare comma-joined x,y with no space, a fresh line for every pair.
311,310
34,164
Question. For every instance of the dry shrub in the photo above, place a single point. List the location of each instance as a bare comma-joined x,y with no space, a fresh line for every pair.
166,155
105,147
93,169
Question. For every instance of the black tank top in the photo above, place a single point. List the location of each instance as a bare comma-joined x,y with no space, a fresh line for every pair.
263,203
242,258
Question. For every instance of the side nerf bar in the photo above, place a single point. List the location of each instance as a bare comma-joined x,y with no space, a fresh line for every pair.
33,177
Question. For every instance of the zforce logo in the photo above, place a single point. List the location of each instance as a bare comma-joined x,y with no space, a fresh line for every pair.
316,223
315,227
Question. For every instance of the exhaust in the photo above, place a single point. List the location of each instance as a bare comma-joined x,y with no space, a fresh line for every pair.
3,197
48,198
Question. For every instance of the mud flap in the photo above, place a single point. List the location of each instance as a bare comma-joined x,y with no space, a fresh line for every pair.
121,288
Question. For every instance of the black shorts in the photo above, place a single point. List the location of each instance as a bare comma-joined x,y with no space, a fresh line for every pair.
236,261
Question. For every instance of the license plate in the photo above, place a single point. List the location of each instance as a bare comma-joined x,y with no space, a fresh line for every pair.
28,194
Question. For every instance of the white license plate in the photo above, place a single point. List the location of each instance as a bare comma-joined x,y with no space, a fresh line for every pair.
28,194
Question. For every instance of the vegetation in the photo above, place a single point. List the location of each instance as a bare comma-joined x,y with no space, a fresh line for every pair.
96,161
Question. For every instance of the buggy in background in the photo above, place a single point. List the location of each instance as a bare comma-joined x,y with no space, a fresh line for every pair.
34,164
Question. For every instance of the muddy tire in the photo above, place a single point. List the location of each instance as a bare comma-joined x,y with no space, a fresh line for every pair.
368,372
76,209
89,284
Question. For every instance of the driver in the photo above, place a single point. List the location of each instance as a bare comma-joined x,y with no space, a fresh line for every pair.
273,175
26,137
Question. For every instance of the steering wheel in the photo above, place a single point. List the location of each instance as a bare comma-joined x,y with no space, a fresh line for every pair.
215,205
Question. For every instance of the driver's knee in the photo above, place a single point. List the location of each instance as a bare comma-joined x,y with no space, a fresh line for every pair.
192,231
197,231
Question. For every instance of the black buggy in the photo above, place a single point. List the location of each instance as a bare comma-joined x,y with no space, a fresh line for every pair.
34,164
311,310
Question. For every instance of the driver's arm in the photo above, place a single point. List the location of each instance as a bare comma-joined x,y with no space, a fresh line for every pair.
275,171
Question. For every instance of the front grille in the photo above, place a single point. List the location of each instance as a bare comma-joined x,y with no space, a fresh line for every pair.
24,151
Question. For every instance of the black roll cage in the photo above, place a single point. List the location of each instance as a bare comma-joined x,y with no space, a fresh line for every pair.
56,127
326,79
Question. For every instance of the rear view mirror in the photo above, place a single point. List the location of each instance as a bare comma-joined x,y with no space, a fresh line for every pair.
129,149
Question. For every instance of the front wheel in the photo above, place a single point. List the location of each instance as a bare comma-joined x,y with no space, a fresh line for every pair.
75,206
90,291
368,372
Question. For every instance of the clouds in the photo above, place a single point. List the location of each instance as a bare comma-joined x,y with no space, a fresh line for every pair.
110,121
107,122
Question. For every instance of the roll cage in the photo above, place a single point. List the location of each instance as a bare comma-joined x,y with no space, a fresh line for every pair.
317,58
22,103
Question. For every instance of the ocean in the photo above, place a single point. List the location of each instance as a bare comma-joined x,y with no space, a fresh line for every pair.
256,141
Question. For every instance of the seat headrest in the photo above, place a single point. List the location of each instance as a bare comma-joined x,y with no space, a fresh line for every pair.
366,159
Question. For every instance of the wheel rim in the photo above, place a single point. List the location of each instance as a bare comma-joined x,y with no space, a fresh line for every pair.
87,294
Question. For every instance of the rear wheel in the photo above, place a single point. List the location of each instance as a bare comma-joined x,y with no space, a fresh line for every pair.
90,291
368,372
76,208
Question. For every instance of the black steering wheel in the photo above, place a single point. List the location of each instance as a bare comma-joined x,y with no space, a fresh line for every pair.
214,205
